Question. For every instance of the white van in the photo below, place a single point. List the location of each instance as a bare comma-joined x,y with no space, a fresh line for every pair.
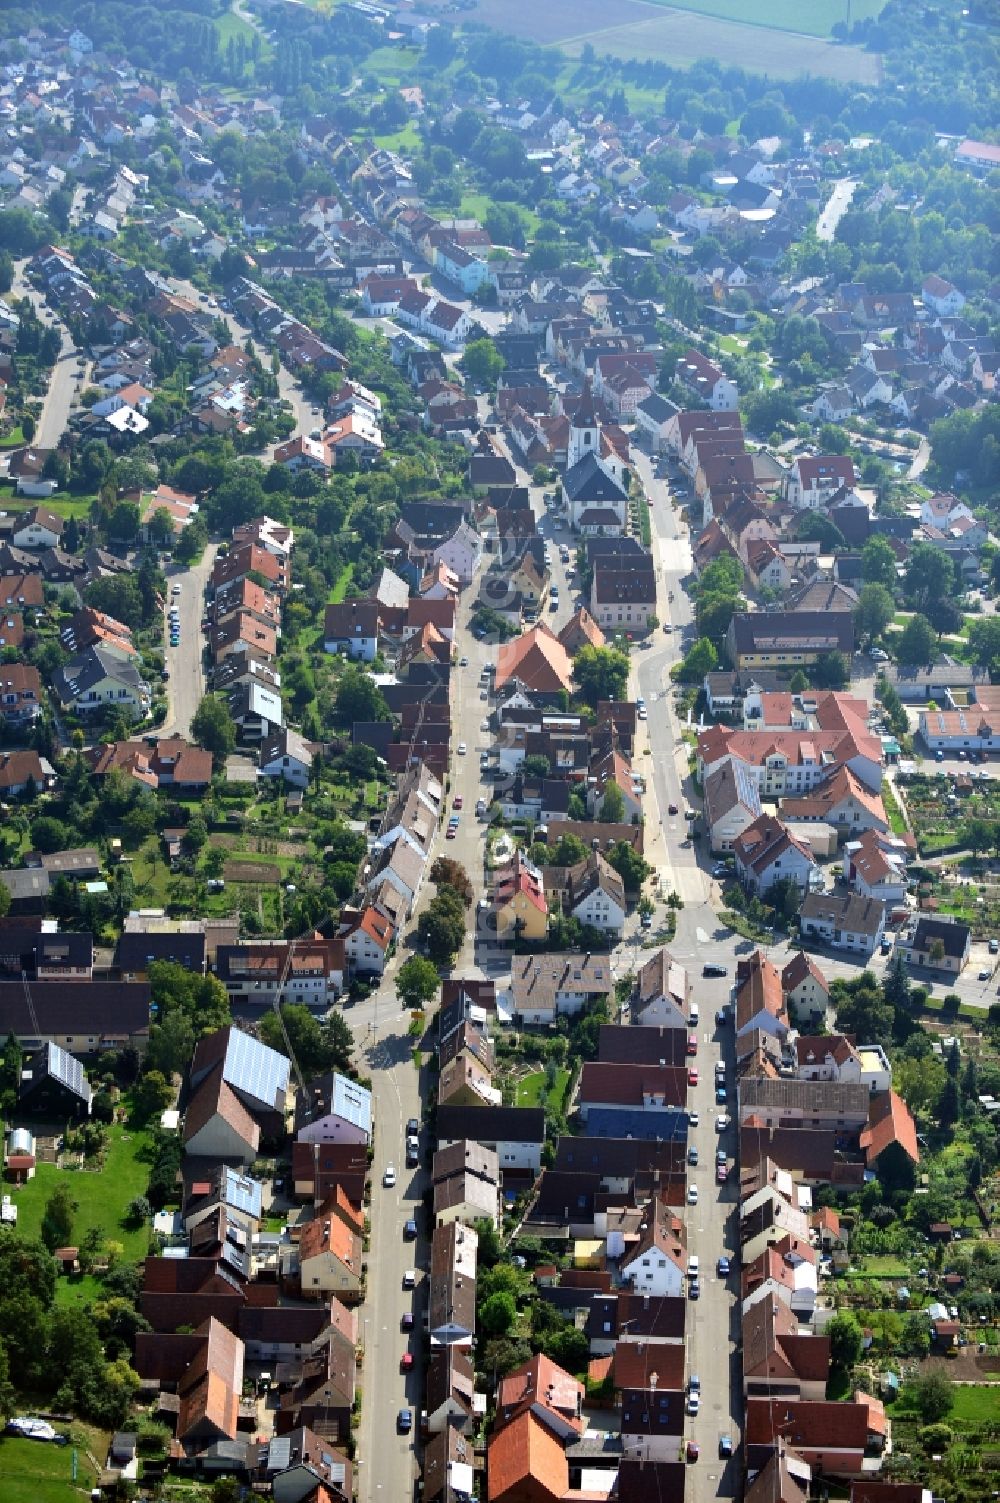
693,1013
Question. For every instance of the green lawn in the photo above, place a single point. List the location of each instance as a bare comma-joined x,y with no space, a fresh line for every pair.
12,439
101,1195
812,17
231,26
339,591
530,1090
976,1405
36,1473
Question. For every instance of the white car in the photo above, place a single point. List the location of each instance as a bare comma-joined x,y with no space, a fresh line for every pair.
692,1196
484,725
175,589
389,1177
721,1123
693,1266
692,1119
693,1403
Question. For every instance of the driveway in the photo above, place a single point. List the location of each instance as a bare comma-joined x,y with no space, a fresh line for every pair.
185,662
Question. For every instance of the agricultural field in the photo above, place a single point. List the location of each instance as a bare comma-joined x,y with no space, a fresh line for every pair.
708,28
813,18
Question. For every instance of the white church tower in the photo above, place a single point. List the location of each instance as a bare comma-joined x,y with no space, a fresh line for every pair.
584,433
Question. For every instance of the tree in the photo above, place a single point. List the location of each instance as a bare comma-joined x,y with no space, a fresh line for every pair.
152,1096
878,562
629,865
57,1218
417,981
933,1397
874,610
138,1212
305,1036
339,1042
600,673
846,1341
536,766
7,1397
48,834
203,1000
984,643
930,575
171,1043
448,873
612,804
567,851
359,697
441,927
497,1313
896,987
700,659
213,728
917,643
482,361
831,671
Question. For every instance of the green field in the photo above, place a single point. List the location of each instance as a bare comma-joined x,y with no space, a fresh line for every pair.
101,1194
531,1089
975,1405
33,1472
811,17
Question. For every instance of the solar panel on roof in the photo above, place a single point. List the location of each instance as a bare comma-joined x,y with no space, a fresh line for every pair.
241,1193
255,1070
279,1453
67,1070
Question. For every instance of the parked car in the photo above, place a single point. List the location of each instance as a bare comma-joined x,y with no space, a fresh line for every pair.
404,1421
389,1177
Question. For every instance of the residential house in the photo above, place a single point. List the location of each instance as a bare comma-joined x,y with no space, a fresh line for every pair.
516,1133
890,1133
544,987
760,1000
732,803
788,639
330,1251
97,681
333,1109
940,944
786,1271
466,1180
875,866
814,480
595,895
661,995
780,1361
657,1264
807,992
352,628
767,852
519,901
838,1439
844,923
451,1299
53,1084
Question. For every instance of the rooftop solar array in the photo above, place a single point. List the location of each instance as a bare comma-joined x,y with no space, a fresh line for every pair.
241,1193
68,1070
352,1102
255,1071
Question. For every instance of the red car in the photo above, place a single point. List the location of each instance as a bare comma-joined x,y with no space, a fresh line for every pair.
451,832
692,1043
692,1450
406,1362
456,802
692,1076
722,1174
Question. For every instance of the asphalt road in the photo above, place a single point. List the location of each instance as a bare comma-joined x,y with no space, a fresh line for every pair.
56,403
185,662
307,415
835,208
